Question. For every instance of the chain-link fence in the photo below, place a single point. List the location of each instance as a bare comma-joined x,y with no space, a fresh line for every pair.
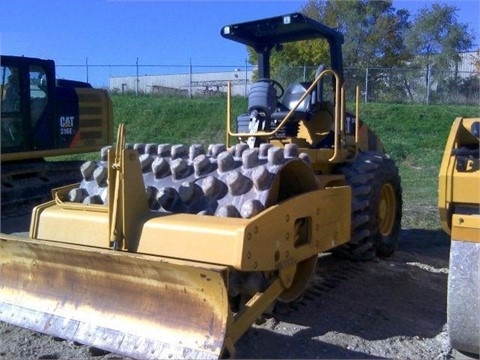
401,85
428,85
163,79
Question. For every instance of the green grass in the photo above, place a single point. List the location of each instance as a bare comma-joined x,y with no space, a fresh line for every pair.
414,135
173,119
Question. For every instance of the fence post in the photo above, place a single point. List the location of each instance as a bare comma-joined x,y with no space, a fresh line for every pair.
137,79
86,67
366,84
190,90
427,100
246,78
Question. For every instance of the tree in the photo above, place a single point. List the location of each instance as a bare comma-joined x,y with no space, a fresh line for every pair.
373,32
437,38
377,35
289,63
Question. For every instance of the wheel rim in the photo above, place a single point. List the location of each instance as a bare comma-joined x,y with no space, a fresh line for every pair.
301,276
386,210
295,280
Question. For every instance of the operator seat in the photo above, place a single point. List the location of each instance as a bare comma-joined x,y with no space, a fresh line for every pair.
293,94
266,112
313,119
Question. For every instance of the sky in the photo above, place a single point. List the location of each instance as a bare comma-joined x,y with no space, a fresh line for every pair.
118,32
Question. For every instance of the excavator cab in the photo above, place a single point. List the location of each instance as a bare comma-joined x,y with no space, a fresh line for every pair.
42,116
27,87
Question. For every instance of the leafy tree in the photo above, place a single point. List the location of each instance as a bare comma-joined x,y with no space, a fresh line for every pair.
377,35
373,32
437,36
289,63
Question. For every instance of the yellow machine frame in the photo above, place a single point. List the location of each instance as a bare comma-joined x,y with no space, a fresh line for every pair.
283,240
459,187
459,207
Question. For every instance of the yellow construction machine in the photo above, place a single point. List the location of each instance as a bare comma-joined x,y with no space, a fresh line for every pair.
42,116
459,205
173,251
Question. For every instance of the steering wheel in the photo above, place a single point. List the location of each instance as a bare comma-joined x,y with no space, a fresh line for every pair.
278,87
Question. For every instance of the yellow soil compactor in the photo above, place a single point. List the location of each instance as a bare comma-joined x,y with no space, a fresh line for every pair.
174,251
459,205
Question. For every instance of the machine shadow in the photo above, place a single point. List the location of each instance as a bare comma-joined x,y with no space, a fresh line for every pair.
395,299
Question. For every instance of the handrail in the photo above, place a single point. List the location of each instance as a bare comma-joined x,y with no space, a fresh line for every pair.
229,113
337,125
339,113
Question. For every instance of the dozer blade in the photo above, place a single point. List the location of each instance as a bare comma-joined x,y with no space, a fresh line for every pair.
134,305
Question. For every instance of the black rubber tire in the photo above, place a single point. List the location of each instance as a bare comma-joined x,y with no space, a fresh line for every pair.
376,207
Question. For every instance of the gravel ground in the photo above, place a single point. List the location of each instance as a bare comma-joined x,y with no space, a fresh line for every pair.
393,308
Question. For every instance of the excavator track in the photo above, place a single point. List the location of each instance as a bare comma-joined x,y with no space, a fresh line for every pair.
31,182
